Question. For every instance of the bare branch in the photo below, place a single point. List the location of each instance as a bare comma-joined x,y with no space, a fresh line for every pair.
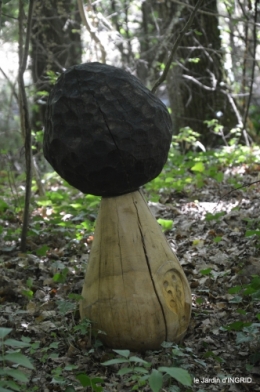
166,38
24,114
11,84
240,187
34,163
192,79
9,16
1,3
92,33
212,13
232,102
27,38
175,46
253,66
238,116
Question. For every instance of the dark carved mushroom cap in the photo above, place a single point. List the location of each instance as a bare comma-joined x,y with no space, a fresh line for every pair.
105,133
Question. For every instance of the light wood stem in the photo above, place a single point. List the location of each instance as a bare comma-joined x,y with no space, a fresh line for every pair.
135,289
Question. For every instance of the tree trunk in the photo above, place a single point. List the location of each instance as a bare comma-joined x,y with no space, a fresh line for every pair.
56,44
195,83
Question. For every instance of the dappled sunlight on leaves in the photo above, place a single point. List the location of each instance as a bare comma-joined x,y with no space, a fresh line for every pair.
214,230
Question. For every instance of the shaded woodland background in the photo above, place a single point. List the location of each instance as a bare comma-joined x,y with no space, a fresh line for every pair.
211,87
206,199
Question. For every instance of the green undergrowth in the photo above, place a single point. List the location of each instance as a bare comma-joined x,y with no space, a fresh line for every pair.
181,172
19,356
64,212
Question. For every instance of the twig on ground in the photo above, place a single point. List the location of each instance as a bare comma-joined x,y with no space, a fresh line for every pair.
240,187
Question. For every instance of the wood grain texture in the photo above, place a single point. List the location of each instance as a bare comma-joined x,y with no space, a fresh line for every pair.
135,289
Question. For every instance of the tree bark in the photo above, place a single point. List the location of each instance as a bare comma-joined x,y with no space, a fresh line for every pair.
196,80
196,84
56,45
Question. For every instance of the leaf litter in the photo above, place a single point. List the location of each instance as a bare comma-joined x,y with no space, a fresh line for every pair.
39,293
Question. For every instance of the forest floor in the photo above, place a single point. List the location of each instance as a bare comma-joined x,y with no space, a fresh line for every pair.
215,235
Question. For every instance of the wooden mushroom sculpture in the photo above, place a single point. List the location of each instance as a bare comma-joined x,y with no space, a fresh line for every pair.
106,134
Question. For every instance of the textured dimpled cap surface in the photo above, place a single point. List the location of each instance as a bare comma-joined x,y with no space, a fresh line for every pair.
105,133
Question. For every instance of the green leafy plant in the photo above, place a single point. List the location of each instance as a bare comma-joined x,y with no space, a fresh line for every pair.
248,334
165,223
61,276
250,233
59,377
233,136
214,126
185,139
179,355
178,174
42,250
210,354
251,290
83,328
91,382
53,76
28,293
178,374
140,373
195,168
66,212
207,271
3,205
47,352
12,378
217,216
